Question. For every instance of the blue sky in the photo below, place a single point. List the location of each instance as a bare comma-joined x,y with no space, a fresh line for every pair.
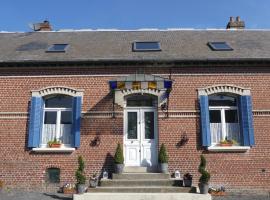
15,15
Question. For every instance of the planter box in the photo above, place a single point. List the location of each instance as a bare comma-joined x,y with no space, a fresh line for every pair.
69,191
55,145
217,193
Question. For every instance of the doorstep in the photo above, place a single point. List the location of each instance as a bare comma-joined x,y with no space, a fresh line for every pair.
141,196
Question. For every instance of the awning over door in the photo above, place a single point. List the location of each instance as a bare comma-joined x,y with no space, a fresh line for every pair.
140,84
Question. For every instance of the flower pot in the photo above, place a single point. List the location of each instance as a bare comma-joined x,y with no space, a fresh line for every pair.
187,182
81,188
164,168
93,183
69,191
119,168
204,187
55,145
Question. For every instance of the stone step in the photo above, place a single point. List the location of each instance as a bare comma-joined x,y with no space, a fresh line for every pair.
142,182
141,190
141,196
133,176
131,169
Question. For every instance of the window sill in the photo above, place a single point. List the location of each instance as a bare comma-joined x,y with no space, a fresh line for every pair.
52,150
228,149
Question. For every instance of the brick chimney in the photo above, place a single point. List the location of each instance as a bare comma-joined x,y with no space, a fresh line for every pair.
235,24
44,26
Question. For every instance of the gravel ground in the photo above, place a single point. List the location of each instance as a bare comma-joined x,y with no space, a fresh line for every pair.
26,195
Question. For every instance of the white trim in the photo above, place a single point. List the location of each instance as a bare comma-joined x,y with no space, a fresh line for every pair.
223,88
51,150
120,95
57,90
228,149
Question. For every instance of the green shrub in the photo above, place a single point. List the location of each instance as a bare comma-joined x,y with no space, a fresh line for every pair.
80,171
163,155
205,175
119,157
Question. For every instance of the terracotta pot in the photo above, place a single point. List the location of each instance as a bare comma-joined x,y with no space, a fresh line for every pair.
55,145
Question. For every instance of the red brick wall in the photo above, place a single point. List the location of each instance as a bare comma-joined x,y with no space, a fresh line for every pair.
22,168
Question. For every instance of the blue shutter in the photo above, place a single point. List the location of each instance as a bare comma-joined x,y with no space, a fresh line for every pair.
205,122
246,120
35,122
77,105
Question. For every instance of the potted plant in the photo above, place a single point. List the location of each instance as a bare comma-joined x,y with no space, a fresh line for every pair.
205,176
228,143
187,179
80,176
163,159
94,181
54,143
119,159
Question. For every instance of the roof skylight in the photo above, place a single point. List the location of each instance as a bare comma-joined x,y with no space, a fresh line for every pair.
220,46
146,46
57,48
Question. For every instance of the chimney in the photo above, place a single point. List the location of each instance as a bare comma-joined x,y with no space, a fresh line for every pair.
237,24
44,26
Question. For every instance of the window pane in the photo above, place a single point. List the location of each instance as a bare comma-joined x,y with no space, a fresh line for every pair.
66,117
215,116
147,46
53,175
149,125
50,118
220,100
140,100
59,101
132,125
231,116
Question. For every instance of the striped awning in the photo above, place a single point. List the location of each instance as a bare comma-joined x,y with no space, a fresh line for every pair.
140,81
140,84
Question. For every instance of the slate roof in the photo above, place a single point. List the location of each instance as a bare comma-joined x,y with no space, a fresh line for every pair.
180,45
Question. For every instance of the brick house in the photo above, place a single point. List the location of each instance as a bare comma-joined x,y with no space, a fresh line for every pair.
188,89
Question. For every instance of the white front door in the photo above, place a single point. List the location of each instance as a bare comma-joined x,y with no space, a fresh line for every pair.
140,138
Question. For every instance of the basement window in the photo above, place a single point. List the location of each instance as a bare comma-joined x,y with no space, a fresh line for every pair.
146,46
57,48
219,46
53,175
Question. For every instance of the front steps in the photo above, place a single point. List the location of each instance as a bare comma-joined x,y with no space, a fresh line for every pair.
136,183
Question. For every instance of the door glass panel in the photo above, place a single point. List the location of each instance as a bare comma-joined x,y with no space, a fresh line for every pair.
132,125
149,125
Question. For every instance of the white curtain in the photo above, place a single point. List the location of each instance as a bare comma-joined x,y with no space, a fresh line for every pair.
233,131
49,133
216,132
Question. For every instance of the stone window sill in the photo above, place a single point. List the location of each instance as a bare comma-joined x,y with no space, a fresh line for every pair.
54,150
228,149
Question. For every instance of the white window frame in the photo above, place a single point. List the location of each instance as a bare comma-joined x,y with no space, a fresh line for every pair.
222,110
58,122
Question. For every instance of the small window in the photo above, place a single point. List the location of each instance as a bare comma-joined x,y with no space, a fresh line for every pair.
53,175
57,48
146,46
220,46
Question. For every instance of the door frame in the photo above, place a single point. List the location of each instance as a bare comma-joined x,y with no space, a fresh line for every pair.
140,132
